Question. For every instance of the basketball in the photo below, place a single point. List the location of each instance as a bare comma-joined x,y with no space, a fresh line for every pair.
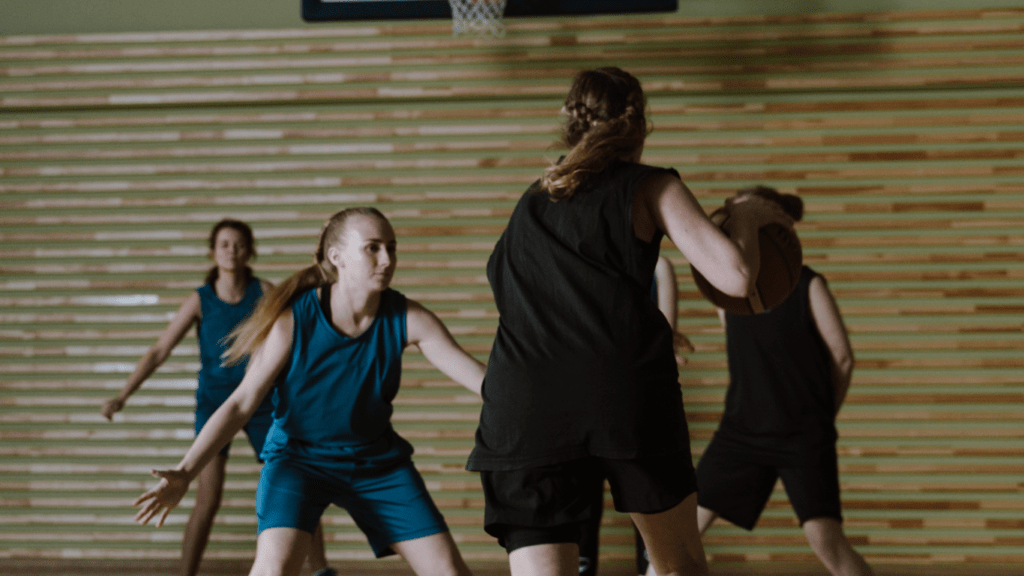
781,261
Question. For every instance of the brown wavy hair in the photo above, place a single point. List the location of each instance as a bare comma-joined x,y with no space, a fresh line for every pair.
605,121
249,335
246,232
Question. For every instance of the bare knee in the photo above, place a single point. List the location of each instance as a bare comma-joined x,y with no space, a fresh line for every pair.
830,545
824,534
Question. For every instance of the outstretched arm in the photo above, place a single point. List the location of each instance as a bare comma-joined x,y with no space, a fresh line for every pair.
830,325
428,333
222,425
188,313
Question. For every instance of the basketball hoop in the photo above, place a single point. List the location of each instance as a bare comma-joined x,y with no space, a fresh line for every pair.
477,17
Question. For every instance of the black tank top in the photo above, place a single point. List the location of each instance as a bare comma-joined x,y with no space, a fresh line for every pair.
781,389
582,362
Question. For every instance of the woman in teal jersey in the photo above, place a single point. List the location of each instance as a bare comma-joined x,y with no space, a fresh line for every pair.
225,299
329,341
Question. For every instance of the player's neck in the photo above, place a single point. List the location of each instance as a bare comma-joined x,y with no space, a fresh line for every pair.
352,309
230,285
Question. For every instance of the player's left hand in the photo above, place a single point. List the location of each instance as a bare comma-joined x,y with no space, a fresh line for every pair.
163,497
682,344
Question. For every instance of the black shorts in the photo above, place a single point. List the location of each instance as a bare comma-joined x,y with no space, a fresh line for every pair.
736,485
551,504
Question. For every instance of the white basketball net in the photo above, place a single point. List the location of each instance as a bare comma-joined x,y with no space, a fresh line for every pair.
477,17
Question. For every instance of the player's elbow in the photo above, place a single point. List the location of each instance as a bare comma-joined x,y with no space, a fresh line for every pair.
844,362
157,355
736,280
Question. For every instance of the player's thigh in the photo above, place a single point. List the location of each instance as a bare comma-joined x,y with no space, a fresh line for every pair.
280,552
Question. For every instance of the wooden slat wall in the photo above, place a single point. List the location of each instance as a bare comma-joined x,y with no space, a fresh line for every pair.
902,131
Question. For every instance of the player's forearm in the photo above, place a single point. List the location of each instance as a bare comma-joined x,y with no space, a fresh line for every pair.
743,231
147,365
842,375
468,372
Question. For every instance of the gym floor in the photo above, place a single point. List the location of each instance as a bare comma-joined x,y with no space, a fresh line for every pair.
86,567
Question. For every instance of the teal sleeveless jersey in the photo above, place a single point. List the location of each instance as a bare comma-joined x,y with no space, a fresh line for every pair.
335,393
218,320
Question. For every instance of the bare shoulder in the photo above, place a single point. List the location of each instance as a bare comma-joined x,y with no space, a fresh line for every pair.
285,322
266,285
659,182
818,287
192,306
824,308
417,312
420,321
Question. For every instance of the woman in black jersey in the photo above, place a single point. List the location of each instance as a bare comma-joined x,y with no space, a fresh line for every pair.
582,383
789,371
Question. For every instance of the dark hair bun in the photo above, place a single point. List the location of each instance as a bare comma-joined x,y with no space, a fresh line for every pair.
792,204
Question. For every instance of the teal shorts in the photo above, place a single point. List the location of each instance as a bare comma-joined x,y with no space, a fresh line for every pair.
386,498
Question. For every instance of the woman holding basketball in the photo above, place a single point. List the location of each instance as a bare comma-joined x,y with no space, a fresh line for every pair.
582,381
329,342
789,371
227,297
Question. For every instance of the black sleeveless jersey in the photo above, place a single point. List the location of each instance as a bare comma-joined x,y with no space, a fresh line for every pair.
582,362
781,387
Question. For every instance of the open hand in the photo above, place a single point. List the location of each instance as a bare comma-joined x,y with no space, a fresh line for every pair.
162,497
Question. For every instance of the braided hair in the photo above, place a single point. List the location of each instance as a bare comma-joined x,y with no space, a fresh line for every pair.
605,120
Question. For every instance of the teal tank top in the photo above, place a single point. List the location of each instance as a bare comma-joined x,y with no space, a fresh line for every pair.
334,395
218,320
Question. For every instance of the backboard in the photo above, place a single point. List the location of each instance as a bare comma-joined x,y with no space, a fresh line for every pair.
336,10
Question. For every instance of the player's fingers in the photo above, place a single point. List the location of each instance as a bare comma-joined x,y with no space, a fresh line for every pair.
681,341
143,516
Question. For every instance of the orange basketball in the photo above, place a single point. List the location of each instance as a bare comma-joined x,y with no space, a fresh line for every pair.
781,261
